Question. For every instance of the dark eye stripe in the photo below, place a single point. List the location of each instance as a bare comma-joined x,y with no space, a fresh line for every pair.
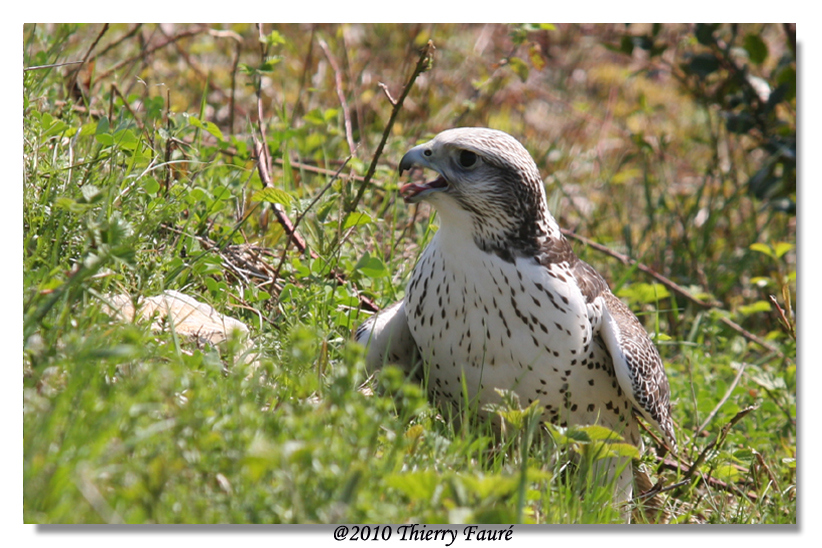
467,158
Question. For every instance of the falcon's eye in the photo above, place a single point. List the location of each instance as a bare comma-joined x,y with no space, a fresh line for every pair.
467,158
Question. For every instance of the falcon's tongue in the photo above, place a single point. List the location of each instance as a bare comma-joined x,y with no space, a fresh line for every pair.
414,192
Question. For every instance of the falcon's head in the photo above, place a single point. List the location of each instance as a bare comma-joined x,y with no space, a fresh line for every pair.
487,178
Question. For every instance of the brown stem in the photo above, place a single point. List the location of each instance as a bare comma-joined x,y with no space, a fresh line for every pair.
338,84
116,43
149,51
423,64
72,79
668,464
717,442
675,288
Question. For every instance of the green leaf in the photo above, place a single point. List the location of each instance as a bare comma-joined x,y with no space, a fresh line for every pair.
493,487
270,63
102,125
126,139
273,195
70,205
314,117
727,472
357,219
417,486
536,57
626,45
781,248
758,306
623,450
88,129
644,293
210,127
519,67
373,267
273,39
104,139
756,47
762,248
768,380
567,436
625,175
787,77
52,127
288,293
151,186
600,433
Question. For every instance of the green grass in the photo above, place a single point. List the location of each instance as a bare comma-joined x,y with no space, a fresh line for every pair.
142,179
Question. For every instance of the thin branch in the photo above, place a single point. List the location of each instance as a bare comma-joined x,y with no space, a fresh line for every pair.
717,442
317,169
149,51
624,259
232,100
297,112
116,43
265,155
761,460
712,482
116,91
384,89
676,288
788,326
279,212
423,64
751,337
212,85
306,210
73,76
338,84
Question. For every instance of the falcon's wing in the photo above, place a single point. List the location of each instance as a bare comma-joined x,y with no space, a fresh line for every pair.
388,339
637,364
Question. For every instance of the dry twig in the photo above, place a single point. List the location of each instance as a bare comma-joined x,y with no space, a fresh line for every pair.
423,64
718,441
149,51
676,288
338,84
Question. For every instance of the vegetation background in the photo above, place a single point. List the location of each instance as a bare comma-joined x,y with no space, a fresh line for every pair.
254,169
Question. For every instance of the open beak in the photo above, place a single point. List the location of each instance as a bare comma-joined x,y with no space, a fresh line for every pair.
415,192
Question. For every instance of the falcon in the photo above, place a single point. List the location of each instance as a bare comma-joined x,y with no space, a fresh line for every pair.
498,300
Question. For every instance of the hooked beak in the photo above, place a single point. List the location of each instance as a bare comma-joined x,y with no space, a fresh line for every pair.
415,192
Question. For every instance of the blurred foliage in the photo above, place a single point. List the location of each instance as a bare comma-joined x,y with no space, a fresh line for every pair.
732,69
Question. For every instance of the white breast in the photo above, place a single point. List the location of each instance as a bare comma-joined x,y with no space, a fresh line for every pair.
515,326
